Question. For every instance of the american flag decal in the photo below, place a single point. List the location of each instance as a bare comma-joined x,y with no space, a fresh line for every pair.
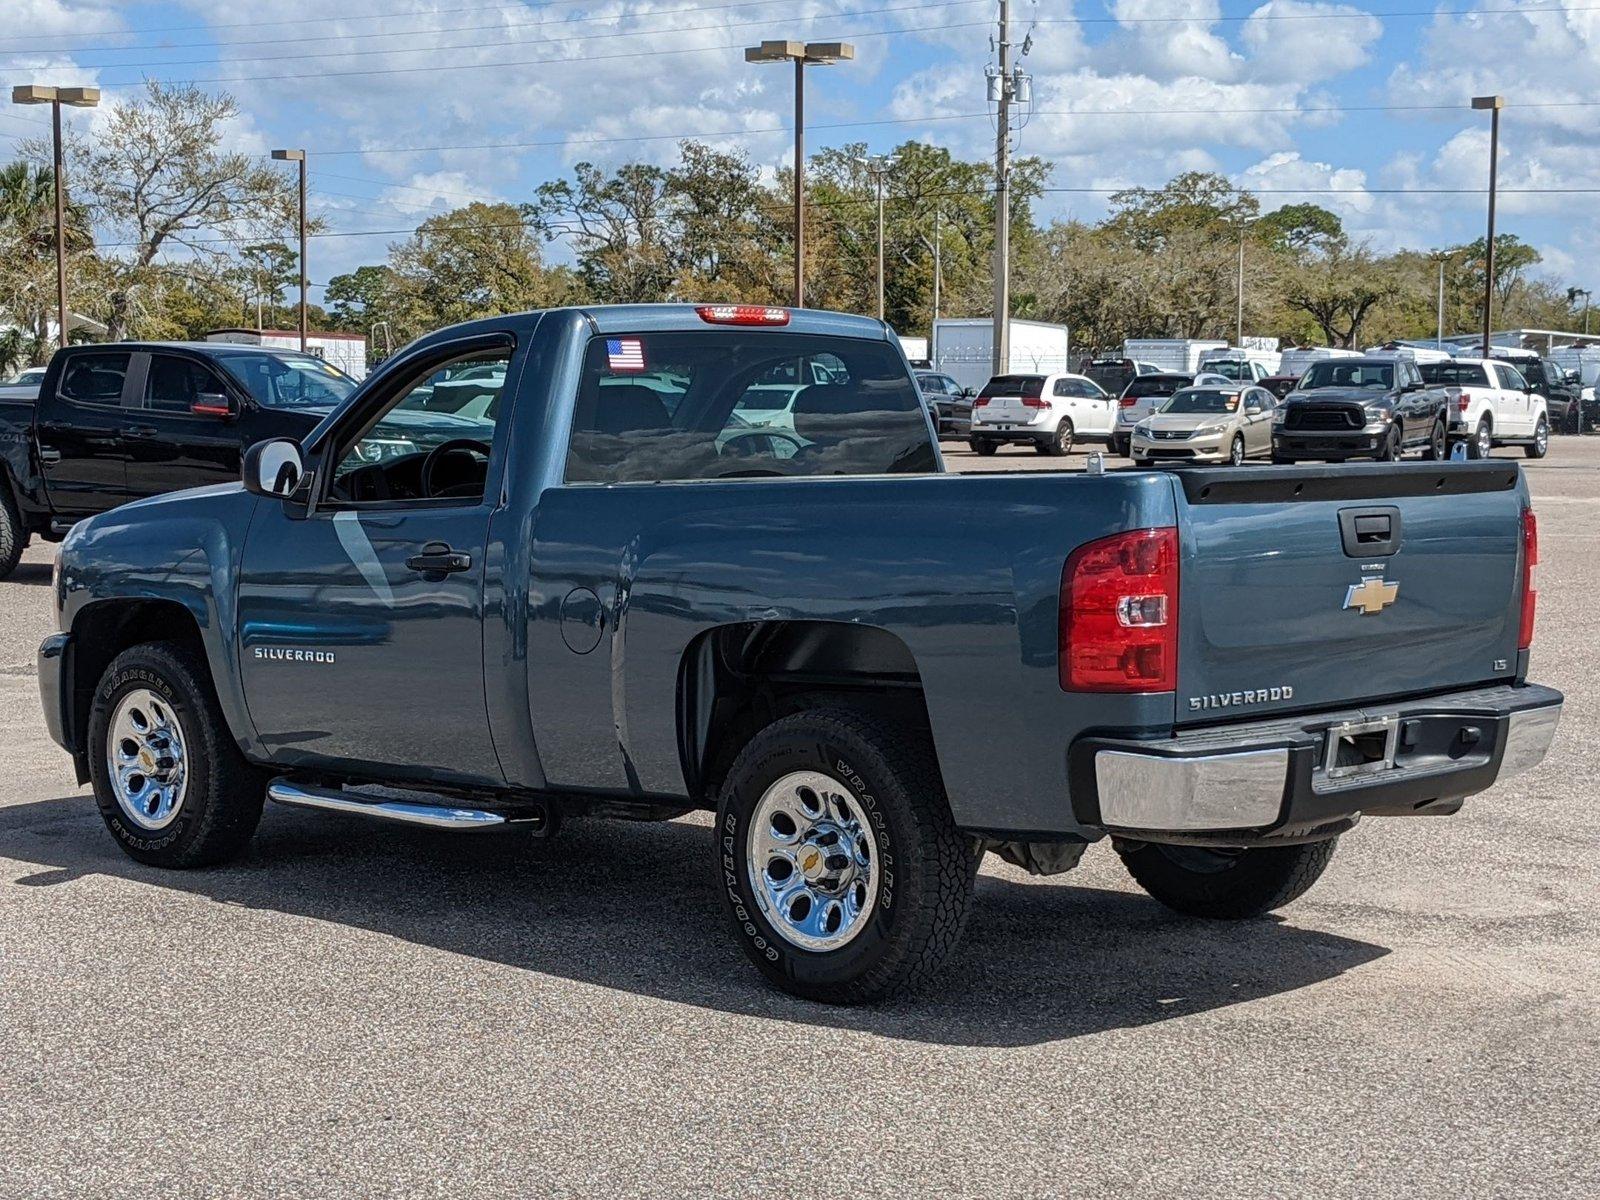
625,354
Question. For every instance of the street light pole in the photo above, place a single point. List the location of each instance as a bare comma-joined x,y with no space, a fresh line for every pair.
803,54
1238,318
1494,104
299,156
1439,342
78,97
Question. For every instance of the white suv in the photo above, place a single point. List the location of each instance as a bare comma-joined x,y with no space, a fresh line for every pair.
1490,404
1048,411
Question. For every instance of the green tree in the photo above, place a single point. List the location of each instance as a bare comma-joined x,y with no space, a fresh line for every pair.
27,258
1337,290
1300,228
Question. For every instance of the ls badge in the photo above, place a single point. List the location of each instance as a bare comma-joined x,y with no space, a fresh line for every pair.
1372,595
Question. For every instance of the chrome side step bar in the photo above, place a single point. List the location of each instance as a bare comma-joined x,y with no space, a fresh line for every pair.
434,816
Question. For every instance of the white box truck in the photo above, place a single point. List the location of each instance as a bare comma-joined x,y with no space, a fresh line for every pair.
1180,355
963,349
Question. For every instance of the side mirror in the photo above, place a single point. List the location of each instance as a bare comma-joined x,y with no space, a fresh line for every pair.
215,404
273,468
968,393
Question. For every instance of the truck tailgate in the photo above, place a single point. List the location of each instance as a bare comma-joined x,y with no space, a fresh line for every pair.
1290,598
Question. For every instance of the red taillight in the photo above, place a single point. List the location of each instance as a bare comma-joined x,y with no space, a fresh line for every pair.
1127,401
1530,559
1035,402
980,402
742,314
1119,614
1463,401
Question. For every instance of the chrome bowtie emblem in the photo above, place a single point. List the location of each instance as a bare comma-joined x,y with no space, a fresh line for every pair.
1373,594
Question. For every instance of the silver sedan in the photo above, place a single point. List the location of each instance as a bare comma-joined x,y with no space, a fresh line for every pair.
1207,424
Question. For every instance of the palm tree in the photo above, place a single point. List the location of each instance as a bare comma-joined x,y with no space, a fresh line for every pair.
27,252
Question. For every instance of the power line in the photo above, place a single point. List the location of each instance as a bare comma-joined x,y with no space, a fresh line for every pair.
542,62
1392,14
555,41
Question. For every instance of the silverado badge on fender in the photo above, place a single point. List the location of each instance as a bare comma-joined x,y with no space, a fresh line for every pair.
1373,594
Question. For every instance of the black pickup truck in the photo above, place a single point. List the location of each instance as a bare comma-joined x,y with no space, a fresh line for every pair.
116,422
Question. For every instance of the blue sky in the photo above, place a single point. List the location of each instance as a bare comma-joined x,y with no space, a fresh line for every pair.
1362,108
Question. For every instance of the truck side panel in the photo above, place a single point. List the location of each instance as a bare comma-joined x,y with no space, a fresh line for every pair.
969,582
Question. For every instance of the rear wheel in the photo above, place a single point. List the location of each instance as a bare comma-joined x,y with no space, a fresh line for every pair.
1226,884
1482,442
1540,446
13,537
1060,442
171,785
983,446
1437,447
841,870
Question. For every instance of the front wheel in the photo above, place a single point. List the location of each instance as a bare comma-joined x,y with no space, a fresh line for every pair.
170,783
1437,448
1540,446
1060,442
842,872
1226,884
1236,451
1390,451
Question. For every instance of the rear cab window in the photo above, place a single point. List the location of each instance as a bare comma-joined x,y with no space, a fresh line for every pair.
1453,374
95,378
729,404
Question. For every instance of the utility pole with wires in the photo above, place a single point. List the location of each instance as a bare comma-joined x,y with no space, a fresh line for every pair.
877,166
1009,87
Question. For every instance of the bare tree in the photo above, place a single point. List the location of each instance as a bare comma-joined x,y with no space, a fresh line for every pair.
156,182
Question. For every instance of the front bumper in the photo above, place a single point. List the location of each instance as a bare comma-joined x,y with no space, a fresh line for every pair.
1210,448
1328,443
1270,781
55,687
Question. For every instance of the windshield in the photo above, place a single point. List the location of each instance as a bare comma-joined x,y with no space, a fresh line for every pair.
289,380
1197,400
1357,374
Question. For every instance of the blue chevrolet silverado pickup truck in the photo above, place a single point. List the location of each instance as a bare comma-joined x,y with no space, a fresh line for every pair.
707,558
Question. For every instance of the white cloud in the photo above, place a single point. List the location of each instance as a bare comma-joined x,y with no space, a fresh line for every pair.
1309,41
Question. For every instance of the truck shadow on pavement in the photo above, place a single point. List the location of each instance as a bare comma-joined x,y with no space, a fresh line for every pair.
30,573
634,907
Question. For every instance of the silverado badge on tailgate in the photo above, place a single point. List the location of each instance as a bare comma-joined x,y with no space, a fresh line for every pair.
1373,594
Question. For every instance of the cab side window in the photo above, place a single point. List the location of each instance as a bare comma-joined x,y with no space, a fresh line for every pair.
175,385
95,378
432,441
1511,378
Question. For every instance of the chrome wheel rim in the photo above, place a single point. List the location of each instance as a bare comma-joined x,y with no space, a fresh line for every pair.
1541,437
1236,452
812,863
1485,441
146,760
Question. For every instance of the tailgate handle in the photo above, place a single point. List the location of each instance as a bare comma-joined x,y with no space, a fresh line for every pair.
1370,532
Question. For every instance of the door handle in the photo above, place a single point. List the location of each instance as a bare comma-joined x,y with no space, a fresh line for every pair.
139,432
438,559
48,456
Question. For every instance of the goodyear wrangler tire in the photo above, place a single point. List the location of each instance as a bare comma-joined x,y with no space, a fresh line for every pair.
1226,884
843,875
171,785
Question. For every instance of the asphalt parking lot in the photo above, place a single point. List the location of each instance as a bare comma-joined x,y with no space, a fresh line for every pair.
364,1011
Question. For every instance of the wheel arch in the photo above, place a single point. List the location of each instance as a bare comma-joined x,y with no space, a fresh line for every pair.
736,679
104,629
